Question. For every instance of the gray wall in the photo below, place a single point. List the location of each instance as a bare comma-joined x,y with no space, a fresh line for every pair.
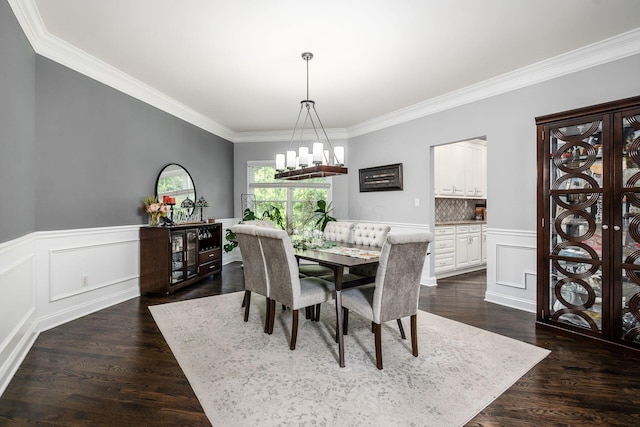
99,152
76,153
507,120
17,110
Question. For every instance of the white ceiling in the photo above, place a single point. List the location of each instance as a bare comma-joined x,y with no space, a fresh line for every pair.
238,63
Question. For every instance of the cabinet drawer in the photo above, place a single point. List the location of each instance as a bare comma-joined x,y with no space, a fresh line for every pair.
210,268
444,262
444,243
475,228
210,255
441,231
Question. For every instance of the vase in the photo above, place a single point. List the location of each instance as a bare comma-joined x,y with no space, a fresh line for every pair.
153,220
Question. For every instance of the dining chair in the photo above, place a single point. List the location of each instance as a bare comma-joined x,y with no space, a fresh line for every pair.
334,231
285,284
254,269
368,234
396,290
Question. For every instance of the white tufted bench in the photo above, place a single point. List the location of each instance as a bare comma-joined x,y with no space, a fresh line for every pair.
339,231
373,235
370,234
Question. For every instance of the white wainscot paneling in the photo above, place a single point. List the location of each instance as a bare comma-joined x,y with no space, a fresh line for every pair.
83,271
511,277
18,322
85,268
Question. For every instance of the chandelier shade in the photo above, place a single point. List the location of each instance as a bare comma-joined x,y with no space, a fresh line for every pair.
316,160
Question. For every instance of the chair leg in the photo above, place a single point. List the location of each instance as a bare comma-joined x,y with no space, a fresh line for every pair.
294,329
404,337
377,330
246,303
307,313
317,312
272,315
414,335
267,317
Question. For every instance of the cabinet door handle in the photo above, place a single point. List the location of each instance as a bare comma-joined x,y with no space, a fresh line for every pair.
210,255
605,227
616,227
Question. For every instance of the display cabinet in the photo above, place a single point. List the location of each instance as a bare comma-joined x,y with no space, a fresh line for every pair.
174,257
589,222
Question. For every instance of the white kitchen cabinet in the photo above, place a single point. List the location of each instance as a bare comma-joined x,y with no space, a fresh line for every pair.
444,249
475,176
449,170
460,170
468,246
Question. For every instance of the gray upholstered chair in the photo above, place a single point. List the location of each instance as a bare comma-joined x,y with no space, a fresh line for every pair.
368,234
254,268
397,287
334,231
285,285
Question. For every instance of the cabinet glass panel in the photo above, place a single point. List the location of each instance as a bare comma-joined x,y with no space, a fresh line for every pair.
576,249
177,257
192,253
630,295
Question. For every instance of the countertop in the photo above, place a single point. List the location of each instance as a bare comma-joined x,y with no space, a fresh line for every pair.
462,222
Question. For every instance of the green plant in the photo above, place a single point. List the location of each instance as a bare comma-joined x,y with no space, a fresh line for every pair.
230,236
273,213
322,214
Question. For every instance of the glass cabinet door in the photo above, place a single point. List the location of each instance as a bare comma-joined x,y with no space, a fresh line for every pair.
191,254
177,257
577,246
627,296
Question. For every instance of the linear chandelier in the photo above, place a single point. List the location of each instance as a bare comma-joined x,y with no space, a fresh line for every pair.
318,162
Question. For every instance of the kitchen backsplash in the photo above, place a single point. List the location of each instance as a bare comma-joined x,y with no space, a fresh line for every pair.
456,209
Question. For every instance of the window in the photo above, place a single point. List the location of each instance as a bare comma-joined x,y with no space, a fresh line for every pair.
296,200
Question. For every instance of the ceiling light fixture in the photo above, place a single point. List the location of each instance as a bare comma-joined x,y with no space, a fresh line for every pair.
318,162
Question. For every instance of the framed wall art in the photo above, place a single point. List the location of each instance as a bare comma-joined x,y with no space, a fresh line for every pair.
381,178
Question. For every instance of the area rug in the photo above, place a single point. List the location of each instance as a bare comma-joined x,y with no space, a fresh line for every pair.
244,377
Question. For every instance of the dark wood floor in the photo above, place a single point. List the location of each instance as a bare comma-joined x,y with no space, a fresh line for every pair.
113,367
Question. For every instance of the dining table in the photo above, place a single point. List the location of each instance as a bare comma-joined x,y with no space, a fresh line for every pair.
337,256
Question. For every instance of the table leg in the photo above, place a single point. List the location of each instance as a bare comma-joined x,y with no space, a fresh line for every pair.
339,335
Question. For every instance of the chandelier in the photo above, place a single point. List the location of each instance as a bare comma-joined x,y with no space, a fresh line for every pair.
316,160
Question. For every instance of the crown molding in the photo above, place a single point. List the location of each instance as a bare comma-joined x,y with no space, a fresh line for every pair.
58,50
614,48
285,135
70,56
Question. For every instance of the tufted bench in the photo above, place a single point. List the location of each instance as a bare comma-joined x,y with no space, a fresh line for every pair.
373,235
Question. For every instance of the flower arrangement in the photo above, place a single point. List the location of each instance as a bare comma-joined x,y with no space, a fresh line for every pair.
155,209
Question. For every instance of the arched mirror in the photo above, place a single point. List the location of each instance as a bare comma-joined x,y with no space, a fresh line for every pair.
175,181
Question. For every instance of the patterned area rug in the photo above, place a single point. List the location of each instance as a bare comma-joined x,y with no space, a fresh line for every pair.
244,377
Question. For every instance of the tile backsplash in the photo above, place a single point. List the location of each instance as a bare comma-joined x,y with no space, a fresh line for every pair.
456,209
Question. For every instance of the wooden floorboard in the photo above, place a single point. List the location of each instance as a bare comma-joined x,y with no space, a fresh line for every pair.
114,367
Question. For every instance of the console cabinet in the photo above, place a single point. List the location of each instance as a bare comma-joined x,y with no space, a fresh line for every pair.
589,222
174,257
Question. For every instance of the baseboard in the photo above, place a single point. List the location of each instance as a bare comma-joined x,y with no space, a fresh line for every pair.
79,310
509,301
18,350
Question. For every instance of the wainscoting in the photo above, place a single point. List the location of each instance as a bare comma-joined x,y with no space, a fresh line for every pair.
511,268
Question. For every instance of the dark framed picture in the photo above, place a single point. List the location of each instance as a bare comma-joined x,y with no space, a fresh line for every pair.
381,178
